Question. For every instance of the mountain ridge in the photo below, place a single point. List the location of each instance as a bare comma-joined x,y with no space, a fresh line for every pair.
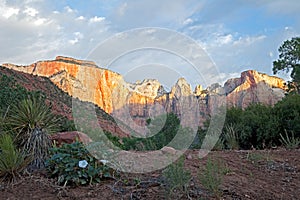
134,102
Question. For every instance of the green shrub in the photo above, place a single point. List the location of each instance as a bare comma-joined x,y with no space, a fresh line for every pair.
12,93
288,113
169,124
177,177
32,121
212,176
73,164
12,161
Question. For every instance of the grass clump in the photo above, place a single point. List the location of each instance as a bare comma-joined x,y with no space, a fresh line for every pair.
290,142
211,176
177,178
12,161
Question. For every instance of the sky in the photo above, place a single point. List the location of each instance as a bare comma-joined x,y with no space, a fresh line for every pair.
204,41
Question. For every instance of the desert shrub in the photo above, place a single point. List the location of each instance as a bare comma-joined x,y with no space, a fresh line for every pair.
73,164
288,113
32,121
255,126
177,178
114,139
12,161
12,93
290,142
211,176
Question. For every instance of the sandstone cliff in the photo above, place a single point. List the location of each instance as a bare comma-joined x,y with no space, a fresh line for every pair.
253,87
133,103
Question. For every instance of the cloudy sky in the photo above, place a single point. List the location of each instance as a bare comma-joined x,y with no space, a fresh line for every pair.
235,34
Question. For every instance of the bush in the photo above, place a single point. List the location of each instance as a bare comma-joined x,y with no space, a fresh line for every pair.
73,164
288,112
170,126
32,121
256,126
212,176
11,93
177,177
12,161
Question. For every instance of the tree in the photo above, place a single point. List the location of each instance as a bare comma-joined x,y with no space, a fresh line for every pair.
289,61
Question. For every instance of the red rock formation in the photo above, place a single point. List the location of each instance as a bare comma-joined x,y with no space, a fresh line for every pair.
80,79
133,103
254,87
70,137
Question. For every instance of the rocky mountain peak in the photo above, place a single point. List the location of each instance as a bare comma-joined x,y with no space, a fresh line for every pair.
181,88
148,87
108,89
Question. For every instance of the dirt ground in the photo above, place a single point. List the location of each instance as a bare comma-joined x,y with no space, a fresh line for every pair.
267,174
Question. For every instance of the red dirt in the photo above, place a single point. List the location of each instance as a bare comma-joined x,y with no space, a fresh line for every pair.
267,174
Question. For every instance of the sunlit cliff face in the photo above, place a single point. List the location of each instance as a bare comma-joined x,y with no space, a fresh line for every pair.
108,90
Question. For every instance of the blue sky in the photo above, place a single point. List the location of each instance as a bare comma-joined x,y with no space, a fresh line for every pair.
237,35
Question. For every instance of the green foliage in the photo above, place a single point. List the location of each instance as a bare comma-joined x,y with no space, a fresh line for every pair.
12,93
211,176
64,164
290,142
177,177
231,137
114,139
32,121
256,126
160,138
64,124
12,161
289,60
288,114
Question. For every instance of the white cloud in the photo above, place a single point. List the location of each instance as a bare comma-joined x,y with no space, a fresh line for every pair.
40,21
225,39
188,21
68,9
35,29
30,11
8,11
135,14
77,37
248,40
80,18
271,54
96,19
122,9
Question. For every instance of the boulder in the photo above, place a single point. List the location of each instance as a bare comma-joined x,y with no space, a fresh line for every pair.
70,137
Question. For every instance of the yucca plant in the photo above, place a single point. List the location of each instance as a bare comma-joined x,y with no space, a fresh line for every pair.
231,138
12,161
290,142
32,121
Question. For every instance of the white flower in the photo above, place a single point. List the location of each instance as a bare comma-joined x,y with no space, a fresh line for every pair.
83,163
104,161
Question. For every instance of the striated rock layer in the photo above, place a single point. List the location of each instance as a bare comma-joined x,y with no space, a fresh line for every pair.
133,103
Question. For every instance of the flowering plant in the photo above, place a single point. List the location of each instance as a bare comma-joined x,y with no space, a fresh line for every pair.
73,164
